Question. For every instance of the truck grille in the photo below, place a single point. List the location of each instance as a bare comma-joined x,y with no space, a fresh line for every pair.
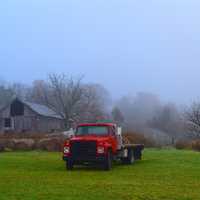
83,150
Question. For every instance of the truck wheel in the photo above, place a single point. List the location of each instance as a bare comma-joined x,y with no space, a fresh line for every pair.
108,161
138,154
69,165
130,159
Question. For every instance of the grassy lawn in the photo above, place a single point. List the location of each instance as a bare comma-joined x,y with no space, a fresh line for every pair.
161,175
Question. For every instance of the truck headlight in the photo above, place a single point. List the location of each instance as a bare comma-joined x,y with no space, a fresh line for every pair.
100,150
66,150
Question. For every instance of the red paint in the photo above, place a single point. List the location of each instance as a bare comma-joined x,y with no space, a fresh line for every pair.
108,141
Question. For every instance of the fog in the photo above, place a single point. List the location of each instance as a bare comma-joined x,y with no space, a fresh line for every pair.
140,57
76,101
127,46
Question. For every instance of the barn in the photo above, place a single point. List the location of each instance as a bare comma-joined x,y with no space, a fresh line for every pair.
23,116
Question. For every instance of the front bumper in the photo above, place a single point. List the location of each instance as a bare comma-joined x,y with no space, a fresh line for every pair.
97,159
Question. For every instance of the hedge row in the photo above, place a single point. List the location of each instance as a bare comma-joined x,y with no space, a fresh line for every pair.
48,144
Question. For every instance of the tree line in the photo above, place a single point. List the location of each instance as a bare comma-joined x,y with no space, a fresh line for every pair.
77,101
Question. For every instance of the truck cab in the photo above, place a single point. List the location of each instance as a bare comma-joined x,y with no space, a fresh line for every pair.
98,143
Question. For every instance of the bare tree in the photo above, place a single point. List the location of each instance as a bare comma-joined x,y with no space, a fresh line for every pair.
93,103
192,117
9,91
60,93
69,97
39,93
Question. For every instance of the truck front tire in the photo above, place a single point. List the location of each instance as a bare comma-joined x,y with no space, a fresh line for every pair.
108,161
131,158
69,165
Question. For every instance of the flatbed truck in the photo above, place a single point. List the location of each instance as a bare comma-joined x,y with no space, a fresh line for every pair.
99,143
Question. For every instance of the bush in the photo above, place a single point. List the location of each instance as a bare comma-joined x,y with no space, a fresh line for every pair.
31,141
50,144
138,138
54,142
11,135
181,144
6,143
196,145
23,144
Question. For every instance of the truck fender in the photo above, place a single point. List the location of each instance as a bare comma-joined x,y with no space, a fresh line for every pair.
108,147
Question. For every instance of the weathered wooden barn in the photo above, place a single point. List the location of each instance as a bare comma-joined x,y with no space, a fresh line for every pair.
23,116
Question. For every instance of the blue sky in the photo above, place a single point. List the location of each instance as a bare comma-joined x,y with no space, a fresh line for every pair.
128,46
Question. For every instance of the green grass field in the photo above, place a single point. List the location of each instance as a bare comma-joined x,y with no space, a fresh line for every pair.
161,175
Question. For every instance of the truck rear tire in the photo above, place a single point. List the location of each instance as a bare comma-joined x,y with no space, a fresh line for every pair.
69,165
130,159
108,161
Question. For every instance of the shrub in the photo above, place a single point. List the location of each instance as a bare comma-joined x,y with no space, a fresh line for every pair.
6,143
196,145
181,144
11,135
23,144
138,138
30,141
50,144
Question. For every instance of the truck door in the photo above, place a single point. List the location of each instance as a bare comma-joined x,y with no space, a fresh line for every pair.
114,139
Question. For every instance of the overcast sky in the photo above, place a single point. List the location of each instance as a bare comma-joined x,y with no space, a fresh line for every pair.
126,45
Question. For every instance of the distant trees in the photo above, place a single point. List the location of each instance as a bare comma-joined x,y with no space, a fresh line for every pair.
19,90
192,117
117,116
10,91
6,94
168,119
146,113
138,110
77,101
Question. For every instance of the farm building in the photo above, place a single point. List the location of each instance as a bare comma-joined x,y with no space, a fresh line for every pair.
23,116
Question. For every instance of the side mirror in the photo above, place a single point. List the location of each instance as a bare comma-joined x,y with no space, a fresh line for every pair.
119,131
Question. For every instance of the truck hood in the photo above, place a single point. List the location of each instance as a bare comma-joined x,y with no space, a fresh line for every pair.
90,138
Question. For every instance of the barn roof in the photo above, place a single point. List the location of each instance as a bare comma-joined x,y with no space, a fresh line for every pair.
38,108
42,110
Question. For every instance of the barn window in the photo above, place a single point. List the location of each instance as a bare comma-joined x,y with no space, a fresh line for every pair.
17,108
7,123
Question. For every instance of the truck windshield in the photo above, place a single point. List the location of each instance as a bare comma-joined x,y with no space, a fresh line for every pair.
92,130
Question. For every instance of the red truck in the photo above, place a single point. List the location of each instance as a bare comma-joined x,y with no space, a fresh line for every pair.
99,143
